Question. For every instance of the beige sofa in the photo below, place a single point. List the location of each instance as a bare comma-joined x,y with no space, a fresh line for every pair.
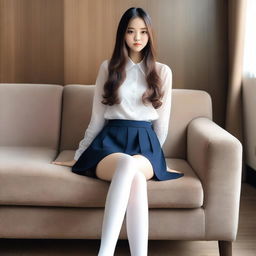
42,122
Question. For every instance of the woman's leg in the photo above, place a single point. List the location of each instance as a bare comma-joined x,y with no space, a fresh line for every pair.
116,202
137,216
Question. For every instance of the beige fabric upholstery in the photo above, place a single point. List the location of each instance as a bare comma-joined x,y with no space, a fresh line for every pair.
217,161
30,115
80,223
39,123
61,187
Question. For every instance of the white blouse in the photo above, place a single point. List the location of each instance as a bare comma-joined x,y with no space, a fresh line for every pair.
131,106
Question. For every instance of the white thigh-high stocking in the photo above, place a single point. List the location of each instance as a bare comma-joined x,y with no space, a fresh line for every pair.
116,203
137,216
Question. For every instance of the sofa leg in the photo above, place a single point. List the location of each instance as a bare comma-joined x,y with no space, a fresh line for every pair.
225,248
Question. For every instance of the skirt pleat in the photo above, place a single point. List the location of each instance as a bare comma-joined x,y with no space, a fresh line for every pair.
127,136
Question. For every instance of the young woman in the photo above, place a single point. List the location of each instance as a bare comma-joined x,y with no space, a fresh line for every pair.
128,126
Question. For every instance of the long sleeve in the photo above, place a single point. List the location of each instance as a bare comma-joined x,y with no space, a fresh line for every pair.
97,121
161,124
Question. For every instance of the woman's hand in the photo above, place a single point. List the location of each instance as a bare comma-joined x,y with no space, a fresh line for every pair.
171,170
66,163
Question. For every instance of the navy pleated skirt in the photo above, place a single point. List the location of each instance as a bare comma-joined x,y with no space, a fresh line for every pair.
127,136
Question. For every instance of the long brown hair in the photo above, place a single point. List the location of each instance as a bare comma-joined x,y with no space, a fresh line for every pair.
117,63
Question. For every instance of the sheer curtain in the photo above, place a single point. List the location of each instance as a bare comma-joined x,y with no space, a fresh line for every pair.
249,85
249,62
236,32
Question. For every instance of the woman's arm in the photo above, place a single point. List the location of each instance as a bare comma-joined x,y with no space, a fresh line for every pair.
161,124
66,163
97,121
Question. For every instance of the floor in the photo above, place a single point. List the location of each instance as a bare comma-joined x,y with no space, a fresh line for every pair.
245,244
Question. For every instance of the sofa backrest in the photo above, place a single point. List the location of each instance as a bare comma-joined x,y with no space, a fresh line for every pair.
186,105
30,115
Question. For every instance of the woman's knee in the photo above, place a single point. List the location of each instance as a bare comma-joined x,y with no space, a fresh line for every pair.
107,166
125,159
139,179
144,166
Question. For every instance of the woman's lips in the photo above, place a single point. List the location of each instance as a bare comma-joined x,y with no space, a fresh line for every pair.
136,44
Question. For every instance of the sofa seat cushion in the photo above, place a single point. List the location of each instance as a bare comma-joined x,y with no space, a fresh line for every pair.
29,178
25,155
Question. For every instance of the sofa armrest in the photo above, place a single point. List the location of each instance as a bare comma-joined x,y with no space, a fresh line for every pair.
216,157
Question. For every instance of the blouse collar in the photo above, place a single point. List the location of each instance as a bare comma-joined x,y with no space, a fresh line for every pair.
141,65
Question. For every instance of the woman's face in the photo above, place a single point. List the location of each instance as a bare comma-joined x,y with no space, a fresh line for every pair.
136,36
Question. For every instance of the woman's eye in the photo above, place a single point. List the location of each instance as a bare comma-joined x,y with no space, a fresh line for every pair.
130,31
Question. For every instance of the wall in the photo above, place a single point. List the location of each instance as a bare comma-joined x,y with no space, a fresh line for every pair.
54,41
